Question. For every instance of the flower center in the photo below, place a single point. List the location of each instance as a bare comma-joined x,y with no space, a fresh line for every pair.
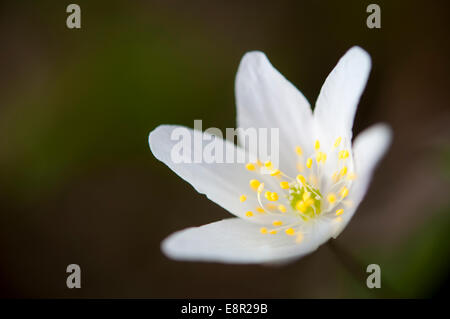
313,193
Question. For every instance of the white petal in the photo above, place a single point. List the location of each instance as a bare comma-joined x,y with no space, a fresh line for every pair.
223,183
339,96
237,241
265,99
368,148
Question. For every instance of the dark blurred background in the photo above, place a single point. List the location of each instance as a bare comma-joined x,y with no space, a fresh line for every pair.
78,183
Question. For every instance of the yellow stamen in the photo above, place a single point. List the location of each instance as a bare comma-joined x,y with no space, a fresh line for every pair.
250,167
263,230
274,196
243,198
284,185
273,232
309,163
331,198
344,192
277,223
290,231
339,212
282,208
271,206
300,167
260,209
249,214
337,142
299,151
268,165
351,176
301,179
317,145
343,171
254,183
275,172
299,238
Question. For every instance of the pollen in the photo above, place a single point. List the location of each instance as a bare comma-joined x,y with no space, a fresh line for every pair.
243,198
275,172
343,171
284,185
299,151
254,183
282,208
339,212
343,154
249,214
277,223
290,231
263,230
259,209
250,166
331,198
273,232
337,142
301,179
309,162
272,196
317,145
268,165
343,192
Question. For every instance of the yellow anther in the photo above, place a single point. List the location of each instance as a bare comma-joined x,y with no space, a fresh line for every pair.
351,176
331,198
301,179
260,209
337,141
275,172
299,238
260,188
298,150
317,145
250,167
309,162
343,171
243,198
274,196
339,212
271,206
254,183
321,157
344,192
290,231
268,165
259,163
284,185
338,219
343,154
324,157
271,196
282,208
249,214
300,167
301,206
277,223
273,232
263,230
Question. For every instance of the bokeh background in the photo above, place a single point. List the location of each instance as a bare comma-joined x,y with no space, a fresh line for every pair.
78,183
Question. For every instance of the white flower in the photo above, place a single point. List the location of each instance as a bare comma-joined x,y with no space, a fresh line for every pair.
322,177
